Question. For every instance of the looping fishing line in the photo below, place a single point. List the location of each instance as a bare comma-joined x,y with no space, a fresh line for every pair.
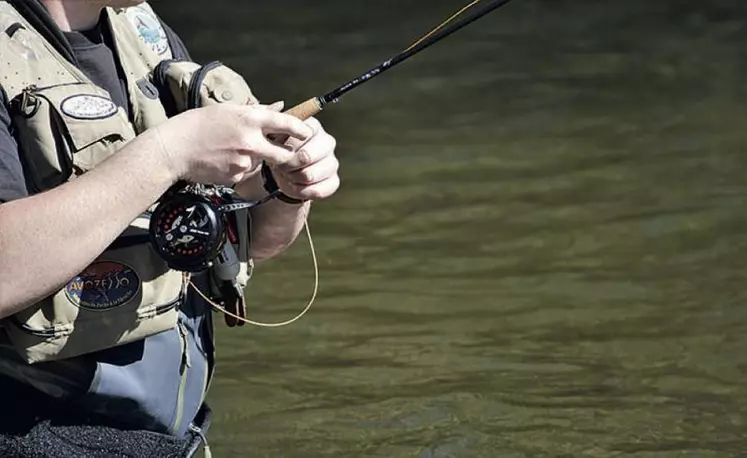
283,323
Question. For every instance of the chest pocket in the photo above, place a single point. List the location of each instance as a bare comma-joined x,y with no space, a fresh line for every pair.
65,130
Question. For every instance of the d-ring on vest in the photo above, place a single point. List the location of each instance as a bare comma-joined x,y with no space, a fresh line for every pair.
65,126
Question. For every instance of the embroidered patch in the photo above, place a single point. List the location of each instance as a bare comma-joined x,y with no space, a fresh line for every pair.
104,285
149,28
87,106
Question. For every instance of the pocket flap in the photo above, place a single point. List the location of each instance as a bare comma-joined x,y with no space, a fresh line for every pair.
88,114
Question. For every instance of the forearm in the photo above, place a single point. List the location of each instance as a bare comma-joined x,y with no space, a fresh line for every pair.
275,224
48,238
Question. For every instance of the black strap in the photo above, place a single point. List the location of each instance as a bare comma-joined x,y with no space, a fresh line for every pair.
271,186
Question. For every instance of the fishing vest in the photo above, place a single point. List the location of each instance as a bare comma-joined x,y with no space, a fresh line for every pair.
65,125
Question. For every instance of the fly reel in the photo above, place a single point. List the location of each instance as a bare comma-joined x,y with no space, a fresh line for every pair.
190,225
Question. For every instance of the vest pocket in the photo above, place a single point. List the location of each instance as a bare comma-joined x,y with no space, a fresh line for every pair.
66,129
124,296
186,85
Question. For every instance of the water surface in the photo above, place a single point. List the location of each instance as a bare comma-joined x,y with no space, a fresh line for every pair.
539,245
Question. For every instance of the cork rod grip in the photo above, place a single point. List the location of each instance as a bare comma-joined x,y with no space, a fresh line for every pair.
305,110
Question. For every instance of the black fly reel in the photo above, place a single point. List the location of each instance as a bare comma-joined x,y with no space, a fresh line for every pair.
188,228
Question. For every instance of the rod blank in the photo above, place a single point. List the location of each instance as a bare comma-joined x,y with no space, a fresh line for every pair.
314,105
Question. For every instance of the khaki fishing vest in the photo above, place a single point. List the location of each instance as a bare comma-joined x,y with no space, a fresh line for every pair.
65,125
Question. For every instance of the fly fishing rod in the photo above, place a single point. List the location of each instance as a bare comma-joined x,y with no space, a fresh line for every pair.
194,251
314,105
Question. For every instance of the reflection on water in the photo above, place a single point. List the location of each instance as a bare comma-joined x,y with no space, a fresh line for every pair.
538,249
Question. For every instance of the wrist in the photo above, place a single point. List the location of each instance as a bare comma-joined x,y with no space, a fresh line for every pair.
163,158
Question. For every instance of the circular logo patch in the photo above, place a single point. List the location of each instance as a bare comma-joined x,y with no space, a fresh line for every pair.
149,29
103,285
87,106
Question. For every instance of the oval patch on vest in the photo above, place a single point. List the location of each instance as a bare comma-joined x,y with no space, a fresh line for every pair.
149,29
104,285
87,106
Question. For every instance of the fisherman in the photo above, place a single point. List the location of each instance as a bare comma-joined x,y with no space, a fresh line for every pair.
104,349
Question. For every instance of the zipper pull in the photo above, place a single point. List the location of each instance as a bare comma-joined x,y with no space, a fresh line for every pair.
206,447
185,363
29,102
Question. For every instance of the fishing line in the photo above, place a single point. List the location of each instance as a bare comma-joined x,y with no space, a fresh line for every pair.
442,25
223,310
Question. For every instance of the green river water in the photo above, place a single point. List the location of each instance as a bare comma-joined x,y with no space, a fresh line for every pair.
540,245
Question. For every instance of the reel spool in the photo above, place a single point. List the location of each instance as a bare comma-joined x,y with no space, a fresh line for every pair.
188,228
188,231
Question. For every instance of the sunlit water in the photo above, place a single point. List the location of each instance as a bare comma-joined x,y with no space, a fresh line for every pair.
539,246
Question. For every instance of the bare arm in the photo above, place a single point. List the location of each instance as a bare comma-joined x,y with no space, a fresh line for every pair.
275,224
48,238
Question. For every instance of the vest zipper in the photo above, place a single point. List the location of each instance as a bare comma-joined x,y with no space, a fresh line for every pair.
198,77
183,366
35,88
27,104
168,306
51,333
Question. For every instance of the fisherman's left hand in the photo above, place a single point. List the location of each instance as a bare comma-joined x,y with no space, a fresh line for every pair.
312,173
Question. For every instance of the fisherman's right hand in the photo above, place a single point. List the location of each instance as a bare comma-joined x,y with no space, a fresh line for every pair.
224,144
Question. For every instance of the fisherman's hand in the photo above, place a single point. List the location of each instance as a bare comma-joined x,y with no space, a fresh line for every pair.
312,172
224,144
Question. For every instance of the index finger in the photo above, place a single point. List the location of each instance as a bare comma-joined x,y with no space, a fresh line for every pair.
284,125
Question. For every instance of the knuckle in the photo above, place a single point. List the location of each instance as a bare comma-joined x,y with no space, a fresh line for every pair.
314,124
245,162
236,178
304,156
281,120
253,116
306,176
300,127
